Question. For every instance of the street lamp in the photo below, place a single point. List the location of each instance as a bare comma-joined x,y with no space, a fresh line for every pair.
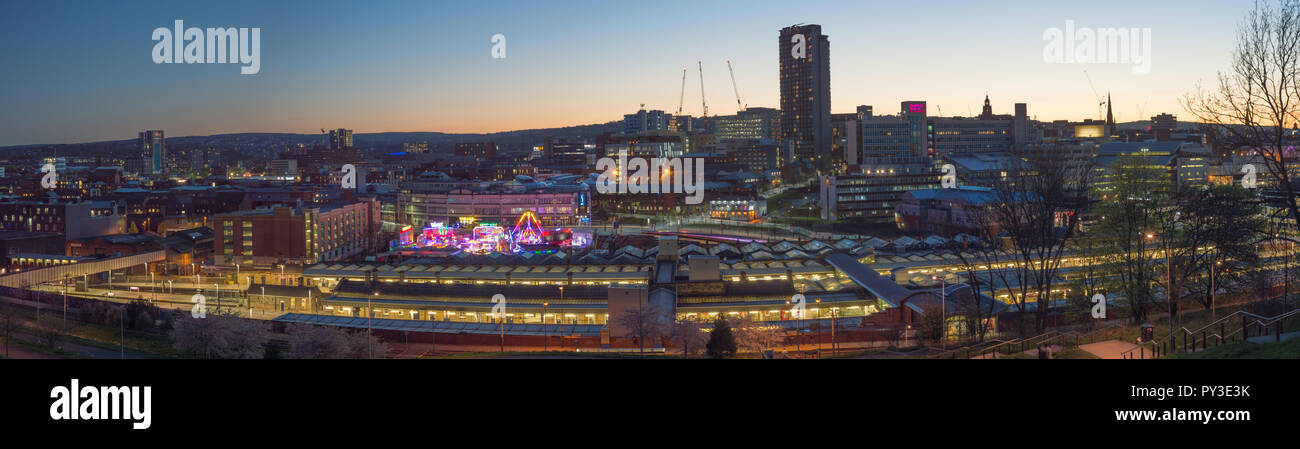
65,301
819,331
1169,290
943,310
370,314
218,287
1213,312
546,336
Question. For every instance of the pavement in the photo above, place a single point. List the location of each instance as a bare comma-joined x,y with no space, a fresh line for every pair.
1109,349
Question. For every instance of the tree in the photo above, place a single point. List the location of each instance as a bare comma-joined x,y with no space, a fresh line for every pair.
755,336
689,335
1258,96
722,341
642,323
978,258
324,342
931,326
6,324
1128,203
1036,208
221,335
1218,228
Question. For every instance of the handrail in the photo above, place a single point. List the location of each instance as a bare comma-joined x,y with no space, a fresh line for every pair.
1036,339
1259,319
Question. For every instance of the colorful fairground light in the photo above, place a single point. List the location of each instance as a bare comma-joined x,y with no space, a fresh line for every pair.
437,235
527,230
487,238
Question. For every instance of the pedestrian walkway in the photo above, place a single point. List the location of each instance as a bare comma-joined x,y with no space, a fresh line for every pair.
1109,349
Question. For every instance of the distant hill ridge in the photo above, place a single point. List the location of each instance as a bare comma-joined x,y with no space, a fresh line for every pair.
359,139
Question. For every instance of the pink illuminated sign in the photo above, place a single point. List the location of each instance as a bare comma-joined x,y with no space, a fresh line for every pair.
916,108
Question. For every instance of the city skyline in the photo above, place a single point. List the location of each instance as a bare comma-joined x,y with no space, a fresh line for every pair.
431,68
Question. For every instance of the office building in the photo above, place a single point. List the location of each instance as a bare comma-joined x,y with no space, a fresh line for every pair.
298,235
153,152
482,151
340,139
644,121
806,92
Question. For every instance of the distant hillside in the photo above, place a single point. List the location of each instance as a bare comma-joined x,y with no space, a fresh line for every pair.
506,139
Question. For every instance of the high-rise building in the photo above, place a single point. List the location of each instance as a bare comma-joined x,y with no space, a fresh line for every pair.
806,92
153,151
340,139
644,121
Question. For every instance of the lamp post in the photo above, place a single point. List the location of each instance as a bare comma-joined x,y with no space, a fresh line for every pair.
218,287
819,331
170,290
943,311
1169,290
153,289
65,301
370,314
546,336
1213,312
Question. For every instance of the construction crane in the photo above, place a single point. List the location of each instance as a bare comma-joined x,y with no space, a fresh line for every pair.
681,98
1101,104
739,106
703,101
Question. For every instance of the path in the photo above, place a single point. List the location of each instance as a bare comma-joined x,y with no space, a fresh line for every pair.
1109,349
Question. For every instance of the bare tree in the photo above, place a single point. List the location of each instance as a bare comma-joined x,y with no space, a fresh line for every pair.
642,323
978,259
689,335
6,324
1253,101
1127,220
1037,207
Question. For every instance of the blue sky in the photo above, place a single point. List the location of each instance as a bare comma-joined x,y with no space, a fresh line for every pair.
81,70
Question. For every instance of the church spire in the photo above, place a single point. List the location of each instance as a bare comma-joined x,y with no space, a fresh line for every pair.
1110,117
988,108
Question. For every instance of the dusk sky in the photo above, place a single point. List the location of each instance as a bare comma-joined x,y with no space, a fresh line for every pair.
78,71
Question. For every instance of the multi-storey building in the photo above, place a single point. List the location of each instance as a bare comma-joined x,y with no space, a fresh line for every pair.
153,151
749,124
646,121
298,235
559,207
340,139
806,92
73,220
482,151
872,194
